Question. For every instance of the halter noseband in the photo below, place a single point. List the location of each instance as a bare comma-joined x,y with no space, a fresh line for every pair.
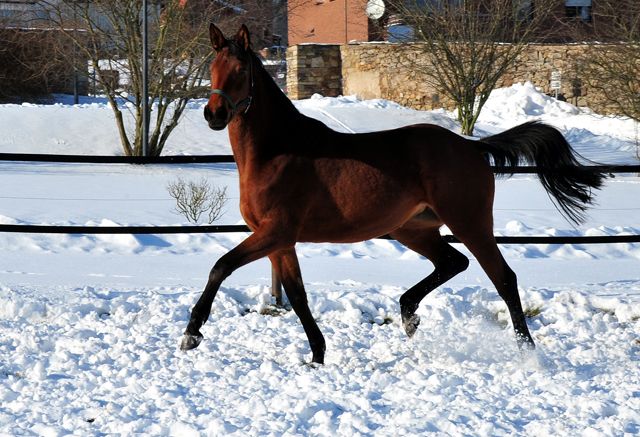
246,101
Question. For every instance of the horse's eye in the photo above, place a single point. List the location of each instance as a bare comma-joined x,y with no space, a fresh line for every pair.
243,70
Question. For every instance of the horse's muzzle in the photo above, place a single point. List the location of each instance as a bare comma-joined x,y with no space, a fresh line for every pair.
217,120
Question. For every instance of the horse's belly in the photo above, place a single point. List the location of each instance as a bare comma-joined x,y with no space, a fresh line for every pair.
353,226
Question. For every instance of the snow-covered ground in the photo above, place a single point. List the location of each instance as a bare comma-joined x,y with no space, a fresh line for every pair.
90,325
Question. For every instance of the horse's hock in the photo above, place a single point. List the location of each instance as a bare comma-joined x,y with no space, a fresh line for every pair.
382,70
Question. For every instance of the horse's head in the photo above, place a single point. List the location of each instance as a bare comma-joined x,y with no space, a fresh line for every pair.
231,77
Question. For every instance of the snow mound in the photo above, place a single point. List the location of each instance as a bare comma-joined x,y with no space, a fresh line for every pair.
525,101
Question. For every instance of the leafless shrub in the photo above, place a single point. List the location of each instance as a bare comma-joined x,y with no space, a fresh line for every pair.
195,198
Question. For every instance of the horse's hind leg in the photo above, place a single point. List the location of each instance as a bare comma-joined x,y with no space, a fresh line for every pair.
286,265
447,261
484,247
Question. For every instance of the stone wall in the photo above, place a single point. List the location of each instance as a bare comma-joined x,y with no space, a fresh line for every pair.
383,70
538,61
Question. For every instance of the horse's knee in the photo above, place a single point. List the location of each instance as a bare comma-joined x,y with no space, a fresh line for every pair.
219,271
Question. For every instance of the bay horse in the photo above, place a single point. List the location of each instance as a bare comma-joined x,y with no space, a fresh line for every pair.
303,182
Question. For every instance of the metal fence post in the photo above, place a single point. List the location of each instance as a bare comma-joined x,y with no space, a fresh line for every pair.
276,287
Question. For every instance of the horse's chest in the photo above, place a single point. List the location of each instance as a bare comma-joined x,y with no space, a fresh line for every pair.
267,188
256,201
249,209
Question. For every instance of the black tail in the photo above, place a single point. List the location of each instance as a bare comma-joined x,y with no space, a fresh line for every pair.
567,181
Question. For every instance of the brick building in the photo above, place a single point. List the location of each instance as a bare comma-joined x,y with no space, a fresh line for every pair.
329,21
345,21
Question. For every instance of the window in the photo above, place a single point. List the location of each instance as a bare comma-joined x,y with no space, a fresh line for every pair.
399,33
578,10
578,13
440,4
526,9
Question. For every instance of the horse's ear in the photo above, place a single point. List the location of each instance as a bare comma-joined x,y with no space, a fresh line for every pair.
242,38
217,38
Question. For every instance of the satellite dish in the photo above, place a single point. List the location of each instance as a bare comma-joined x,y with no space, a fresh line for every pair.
375,9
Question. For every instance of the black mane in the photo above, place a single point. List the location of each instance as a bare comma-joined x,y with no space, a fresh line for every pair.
235,49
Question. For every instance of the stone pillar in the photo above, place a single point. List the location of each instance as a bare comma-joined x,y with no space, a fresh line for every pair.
314,69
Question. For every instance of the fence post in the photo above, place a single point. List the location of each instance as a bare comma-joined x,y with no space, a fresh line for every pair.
276,287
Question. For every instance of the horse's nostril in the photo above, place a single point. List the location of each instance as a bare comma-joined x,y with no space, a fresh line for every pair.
221,113
217,120
207,113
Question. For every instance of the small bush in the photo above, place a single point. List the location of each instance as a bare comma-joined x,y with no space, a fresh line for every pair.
195,198
530,313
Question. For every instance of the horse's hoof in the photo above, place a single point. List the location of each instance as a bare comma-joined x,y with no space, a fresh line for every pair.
190,342
526,344
411,324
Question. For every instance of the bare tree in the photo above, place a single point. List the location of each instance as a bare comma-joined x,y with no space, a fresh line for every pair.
611,62
109,33
469,44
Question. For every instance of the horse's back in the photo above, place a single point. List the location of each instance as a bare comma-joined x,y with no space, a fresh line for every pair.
365,185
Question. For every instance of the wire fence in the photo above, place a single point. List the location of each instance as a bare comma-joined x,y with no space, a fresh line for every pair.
215,229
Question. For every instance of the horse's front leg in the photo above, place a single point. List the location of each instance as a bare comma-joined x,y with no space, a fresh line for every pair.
286,264
260,244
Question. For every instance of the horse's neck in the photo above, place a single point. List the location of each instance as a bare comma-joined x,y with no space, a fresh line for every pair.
265,124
